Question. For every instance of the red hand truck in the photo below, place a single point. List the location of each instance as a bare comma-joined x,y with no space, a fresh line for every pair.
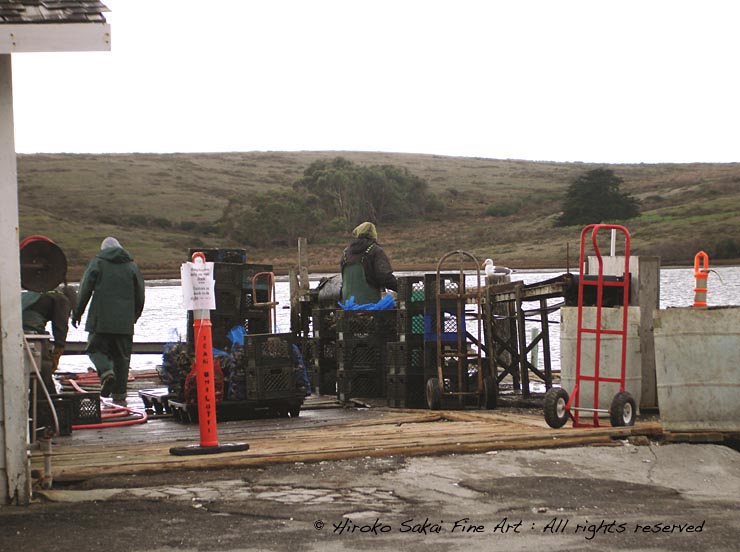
558,405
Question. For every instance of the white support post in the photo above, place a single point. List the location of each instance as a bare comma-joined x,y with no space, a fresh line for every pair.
13,384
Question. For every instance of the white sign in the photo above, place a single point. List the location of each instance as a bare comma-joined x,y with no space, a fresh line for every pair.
198,286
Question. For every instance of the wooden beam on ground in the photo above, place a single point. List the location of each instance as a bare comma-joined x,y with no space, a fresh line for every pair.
407,433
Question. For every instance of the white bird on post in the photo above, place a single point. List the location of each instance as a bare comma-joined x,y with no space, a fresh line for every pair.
492,269
489,267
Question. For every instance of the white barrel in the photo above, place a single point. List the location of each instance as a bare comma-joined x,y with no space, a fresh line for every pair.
697,361
610,359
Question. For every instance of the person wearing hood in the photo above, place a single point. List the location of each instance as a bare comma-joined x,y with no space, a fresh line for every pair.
114,283
365,267
40,308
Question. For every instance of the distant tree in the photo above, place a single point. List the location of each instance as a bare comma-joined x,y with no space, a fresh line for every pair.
377,193
332,196
267,218
594,197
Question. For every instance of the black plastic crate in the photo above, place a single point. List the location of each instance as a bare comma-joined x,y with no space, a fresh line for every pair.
324,349
64,408
410,323
229,301
366,324
411,293
368,383
269,349
406,391
243,384
261,383
324,323
361,354
226,255
406,357
256,322
281,382
85,407
229,275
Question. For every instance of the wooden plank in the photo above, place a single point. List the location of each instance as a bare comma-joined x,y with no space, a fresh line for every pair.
417,433
54,37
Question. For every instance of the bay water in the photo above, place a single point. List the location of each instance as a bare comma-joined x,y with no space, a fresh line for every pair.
164,319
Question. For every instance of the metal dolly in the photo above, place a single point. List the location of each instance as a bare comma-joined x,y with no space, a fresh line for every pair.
558,405
485,391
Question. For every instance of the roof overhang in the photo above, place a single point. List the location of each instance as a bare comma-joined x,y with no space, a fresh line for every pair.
54,37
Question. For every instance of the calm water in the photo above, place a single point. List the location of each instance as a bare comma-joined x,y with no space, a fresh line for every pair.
164,318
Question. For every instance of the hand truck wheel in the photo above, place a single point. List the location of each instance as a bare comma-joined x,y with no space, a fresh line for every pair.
622,412
434,394
554,406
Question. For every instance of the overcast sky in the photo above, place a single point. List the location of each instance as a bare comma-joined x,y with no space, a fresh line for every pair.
596,80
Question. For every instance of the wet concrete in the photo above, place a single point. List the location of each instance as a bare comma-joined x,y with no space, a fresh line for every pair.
625,497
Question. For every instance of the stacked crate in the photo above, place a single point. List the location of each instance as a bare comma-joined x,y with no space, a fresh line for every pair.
406,377
271,367
235,296
362,338
324,350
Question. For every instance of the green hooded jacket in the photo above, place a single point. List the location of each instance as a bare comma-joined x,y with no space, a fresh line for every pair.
116,286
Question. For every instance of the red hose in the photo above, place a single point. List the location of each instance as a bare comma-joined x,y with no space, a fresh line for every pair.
115,412
121,423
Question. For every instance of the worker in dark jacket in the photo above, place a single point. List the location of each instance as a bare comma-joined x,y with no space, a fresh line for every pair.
365,267
116,286
38,309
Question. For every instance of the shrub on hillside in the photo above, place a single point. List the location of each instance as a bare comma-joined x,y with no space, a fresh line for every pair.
725,248
503,209
594,197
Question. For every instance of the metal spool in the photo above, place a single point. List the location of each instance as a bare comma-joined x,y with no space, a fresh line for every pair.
43,264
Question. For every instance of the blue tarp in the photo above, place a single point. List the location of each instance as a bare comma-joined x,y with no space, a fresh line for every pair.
386,303
236,335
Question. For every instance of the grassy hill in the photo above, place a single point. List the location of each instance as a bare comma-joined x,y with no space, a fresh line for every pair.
160,205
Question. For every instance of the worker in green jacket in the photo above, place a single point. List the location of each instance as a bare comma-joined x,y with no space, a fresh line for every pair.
40,308
116,287
365,267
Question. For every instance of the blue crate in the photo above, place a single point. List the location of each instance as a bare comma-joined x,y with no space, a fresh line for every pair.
450,327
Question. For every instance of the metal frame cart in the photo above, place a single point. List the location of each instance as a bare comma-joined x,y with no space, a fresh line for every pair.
558,405
450,315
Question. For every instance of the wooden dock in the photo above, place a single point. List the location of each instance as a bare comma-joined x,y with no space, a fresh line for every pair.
323,431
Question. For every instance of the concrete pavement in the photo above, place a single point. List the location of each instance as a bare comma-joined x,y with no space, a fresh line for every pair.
623,497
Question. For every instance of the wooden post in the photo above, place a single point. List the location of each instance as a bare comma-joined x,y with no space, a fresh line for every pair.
545,321
294,287
303,264
522,342
13,384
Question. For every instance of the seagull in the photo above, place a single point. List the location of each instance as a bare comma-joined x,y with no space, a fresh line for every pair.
492,269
